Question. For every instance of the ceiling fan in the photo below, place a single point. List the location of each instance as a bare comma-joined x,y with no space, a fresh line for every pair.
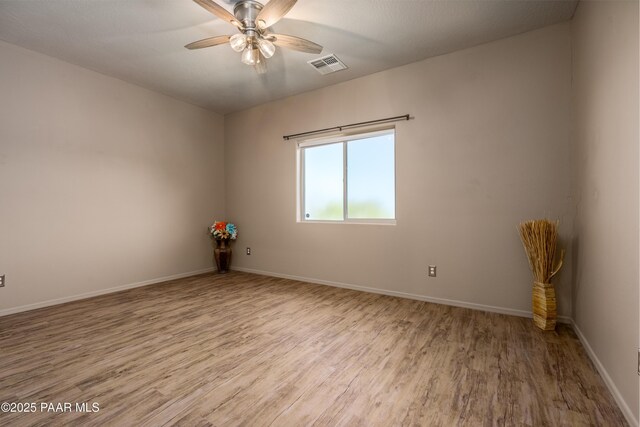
254,40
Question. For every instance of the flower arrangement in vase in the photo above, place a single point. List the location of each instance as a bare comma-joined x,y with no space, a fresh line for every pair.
222,232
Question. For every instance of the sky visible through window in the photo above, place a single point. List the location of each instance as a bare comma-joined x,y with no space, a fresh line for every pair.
370,179
323,168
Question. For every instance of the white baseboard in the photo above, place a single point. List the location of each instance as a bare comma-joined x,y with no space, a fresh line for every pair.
443,301
626,410
13,310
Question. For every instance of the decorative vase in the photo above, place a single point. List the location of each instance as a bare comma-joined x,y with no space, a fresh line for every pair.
544,306
222,255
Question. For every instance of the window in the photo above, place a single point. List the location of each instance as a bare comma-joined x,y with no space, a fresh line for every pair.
348,178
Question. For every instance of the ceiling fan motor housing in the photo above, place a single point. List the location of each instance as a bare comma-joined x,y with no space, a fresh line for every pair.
247,12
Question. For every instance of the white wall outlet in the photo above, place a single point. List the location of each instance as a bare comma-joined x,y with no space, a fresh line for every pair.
248,251
432,271
2,281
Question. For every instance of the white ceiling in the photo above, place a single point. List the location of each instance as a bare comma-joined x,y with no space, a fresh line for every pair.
142,41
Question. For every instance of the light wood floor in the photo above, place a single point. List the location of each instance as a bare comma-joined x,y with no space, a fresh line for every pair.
242,349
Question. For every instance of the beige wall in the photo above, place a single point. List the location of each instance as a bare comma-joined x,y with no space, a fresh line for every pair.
102,183
605,118
488,148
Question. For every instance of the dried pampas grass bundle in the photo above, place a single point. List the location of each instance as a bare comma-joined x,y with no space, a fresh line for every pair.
539,238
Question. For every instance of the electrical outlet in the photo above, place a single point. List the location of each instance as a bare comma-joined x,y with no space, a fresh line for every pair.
432,271
2,281
248,251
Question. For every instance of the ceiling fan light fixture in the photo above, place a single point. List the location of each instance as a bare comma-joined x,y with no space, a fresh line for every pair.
238,42
251,55
266,48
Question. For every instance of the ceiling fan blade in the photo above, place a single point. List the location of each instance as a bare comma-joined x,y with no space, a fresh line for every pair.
208,42
261,66
219,11
295,43
273,12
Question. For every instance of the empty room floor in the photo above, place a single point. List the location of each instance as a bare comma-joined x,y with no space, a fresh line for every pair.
246,349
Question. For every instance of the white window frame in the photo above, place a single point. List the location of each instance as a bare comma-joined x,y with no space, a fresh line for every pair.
342,138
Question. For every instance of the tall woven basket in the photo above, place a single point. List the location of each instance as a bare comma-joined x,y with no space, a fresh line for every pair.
539,238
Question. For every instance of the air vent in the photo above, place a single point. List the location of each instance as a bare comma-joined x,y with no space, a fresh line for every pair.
328,64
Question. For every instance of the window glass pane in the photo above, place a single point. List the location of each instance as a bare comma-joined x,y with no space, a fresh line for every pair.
323,182
371,178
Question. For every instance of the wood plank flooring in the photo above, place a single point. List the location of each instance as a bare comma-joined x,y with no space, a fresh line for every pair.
243,349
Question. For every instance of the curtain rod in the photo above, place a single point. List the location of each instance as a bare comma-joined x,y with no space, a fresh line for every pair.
352,125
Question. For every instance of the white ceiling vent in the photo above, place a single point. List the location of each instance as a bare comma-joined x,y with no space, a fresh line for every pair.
327,64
